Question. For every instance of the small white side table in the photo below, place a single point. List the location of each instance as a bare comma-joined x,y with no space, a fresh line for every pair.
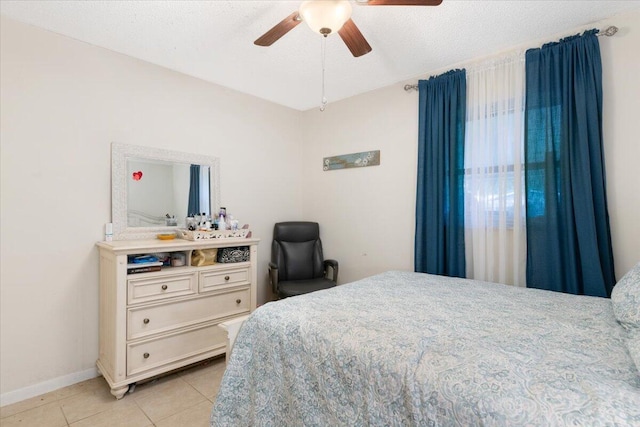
232,327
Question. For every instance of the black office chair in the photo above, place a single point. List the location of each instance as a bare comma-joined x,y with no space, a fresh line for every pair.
297,266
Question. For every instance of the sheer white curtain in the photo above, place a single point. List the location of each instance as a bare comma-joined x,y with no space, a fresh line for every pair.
495,234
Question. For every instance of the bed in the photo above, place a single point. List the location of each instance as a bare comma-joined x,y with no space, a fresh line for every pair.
412,349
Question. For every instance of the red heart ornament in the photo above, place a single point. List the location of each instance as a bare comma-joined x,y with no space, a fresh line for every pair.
137,176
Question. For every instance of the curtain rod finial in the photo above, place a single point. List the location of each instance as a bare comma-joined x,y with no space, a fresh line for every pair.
609,31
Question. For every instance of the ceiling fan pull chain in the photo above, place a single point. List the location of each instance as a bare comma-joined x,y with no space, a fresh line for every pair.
323,52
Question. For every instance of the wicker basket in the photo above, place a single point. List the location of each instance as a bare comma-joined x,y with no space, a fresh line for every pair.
215,234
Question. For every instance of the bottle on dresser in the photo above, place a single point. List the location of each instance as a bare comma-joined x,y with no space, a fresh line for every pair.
221,219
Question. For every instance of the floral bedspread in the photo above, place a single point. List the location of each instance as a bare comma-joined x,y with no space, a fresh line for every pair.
411,349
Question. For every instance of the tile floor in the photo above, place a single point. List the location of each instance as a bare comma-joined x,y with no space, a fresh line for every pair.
182,399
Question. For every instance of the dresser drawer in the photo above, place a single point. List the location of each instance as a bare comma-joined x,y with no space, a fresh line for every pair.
160,287
212,280
159,318
175,348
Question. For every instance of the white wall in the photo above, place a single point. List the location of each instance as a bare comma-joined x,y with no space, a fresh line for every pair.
63,102
621,87
367,215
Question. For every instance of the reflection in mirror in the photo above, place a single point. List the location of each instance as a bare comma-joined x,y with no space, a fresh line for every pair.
161,193
153,190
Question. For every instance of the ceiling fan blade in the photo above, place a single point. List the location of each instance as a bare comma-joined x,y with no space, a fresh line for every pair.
282,28
400,2
354,39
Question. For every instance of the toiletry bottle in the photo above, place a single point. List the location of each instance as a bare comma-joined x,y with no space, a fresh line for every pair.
190,223
221,223
108,232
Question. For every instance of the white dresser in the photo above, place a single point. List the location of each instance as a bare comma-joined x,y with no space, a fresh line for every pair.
155,322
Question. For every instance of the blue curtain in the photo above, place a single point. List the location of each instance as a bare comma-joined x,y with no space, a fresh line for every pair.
568,236
194,191
439,240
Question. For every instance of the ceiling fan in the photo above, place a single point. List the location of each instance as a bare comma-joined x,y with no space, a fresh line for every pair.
328,16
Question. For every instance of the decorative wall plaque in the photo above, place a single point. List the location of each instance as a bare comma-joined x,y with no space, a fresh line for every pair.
355,160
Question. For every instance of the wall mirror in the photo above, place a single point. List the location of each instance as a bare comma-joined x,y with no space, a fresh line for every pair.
153,190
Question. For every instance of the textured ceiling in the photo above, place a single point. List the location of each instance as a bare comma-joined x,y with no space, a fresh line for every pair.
213,40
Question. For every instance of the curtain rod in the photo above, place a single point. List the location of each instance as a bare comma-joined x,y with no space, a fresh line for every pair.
609,31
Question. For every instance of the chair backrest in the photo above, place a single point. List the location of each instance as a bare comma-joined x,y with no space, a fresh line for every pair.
297,250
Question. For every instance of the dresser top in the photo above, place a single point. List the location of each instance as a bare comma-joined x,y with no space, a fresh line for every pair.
157,245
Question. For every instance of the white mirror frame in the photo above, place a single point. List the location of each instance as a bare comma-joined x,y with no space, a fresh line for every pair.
119,155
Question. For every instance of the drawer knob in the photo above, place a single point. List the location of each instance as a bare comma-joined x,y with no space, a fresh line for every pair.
226,277
145,321
164,287
146,355
238,301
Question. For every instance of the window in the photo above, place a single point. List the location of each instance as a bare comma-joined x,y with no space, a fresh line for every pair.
494,169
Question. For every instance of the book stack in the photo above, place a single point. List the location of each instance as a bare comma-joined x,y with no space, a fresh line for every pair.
143,264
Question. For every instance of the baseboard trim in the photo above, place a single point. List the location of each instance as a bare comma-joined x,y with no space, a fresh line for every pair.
46,386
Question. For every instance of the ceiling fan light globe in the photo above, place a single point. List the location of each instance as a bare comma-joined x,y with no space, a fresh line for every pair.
323,15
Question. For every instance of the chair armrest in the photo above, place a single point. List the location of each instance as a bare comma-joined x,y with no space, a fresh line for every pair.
334,267
273,277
